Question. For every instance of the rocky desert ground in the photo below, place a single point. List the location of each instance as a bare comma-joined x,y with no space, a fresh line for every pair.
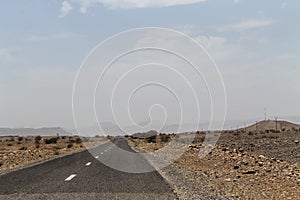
17,151
254,164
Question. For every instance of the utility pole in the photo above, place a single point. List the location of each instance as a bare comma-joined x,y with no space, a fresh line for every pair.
265,113
256,126
276,123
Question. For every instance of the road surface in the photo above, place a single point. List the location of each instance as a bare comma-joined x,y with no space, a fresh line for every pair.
83,176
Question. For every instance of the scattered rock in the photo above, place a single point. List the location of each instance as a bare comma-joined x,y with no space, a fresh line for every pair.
249,172
236,167
260,164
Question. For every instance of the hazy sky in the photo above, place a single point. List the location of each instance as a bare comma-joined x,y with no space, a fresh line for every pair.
43,43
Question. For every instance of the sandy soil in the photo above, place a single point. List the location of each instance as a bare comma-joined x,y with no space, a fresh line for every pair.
17,152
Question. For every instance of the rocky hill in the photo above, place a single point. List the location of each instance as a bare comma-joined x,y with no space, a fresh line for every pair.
272,124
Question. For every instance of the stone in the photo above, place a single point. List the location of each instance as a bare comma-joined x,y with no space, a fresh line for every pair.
249,172
261,157
236,166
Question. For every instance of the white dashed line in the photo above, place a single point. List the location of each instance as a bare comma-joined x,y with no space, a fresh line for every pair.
88,164
70,177
97,157
101,152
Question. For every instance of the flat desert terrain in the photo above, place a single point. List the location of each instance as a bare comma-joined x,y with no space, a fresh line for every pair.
18,151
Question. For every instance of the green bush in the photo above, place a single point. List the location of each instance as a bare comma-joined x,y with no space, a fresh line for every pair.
165,138
23,148
56,148
78,140
71,140
151,139
85,139
267,137
56,152
37,139
51,140
70,145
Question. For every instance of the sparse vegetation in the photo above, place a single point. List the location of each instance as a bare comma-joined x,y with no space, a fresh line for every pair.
148,134
236,133
70,145
56,148
165,137
23,148
30,149
84,139
37,139
71,140
151,139
267,137
51,140
56,152
78,141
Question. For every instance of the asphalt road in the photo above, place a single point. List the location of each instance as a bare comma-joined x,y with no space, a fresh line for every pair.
84,176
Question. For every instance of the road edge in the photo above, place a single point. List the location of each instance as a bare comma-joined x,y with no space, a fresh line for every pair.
159,171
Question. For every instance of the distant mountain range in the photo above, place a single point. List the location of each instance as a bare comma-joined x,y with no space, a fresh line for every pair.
109,128
34,132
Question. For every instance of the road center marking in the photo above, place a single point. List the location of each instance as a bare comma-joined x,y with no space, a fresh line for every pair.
70,177
97,157
88,164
